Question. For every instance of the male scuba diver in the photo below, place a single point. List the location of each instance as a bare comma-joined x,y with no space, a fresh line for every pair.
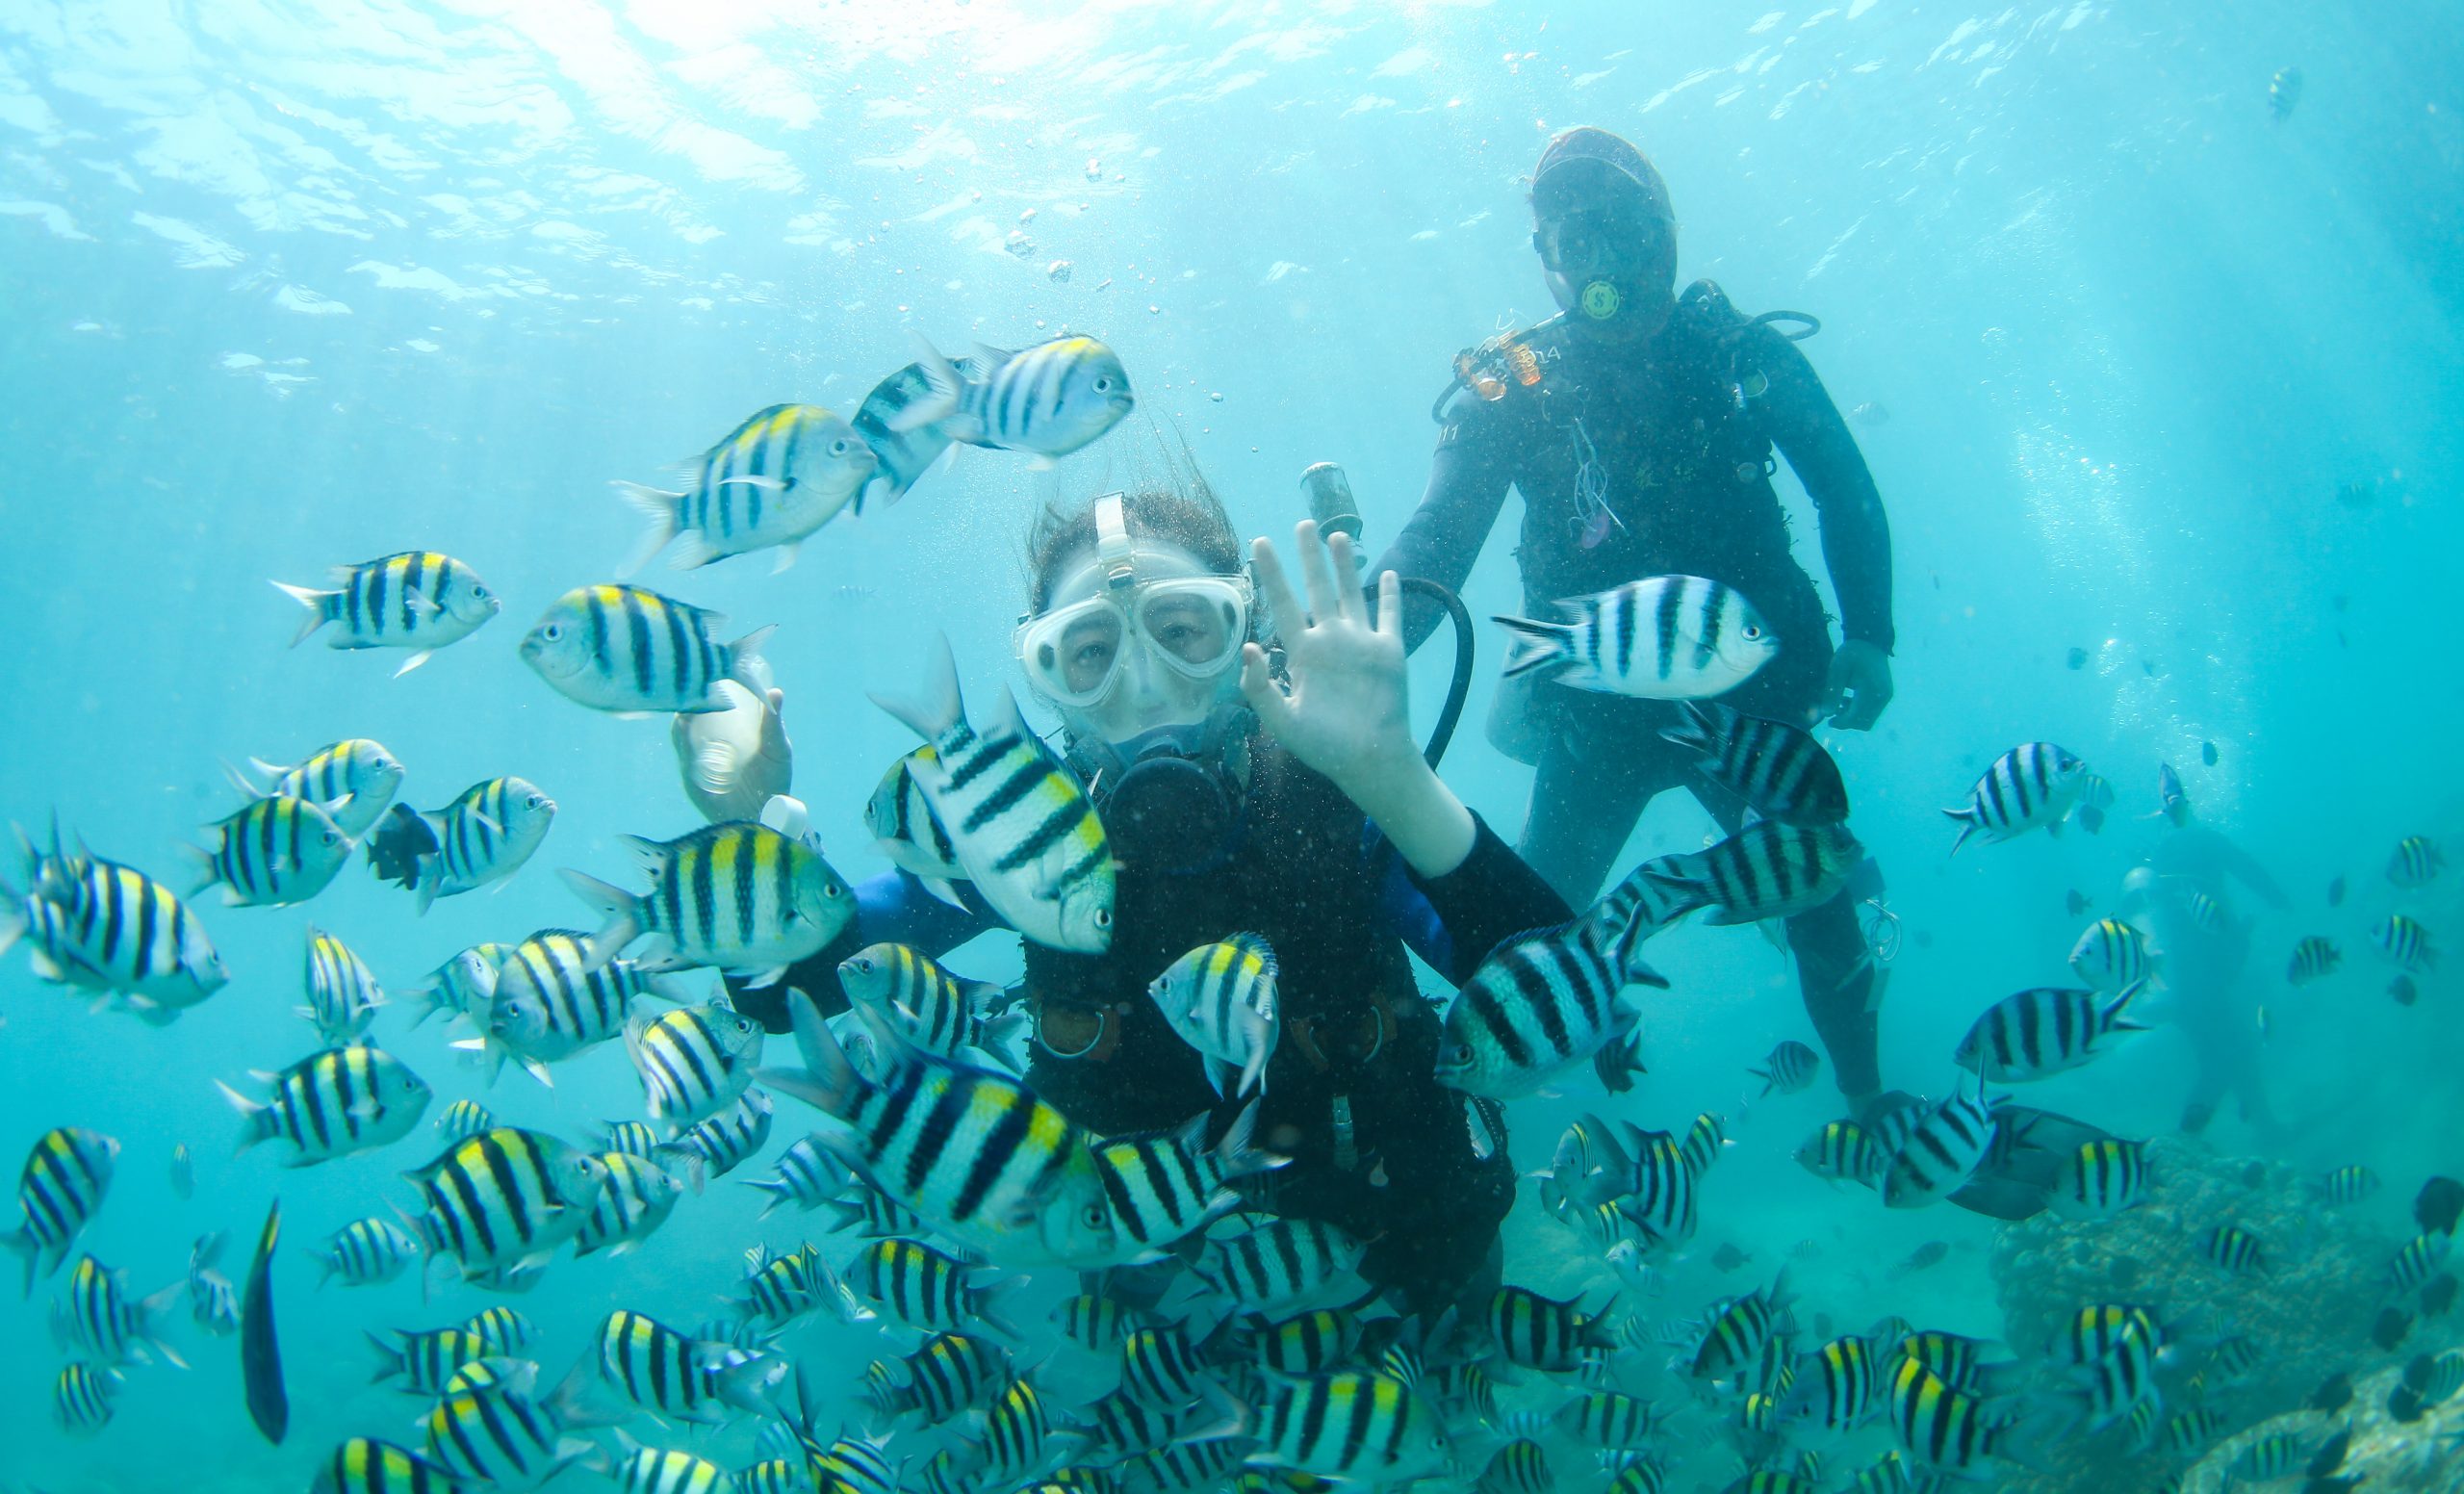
1638,425
1239,797
2186,891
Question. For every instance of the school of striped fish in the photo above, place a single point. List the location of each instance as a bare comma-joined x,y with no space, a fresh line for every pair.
949,1191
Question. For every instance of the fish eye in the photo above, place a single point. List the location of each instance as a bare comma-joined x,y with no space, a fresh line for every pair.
1752,632
1103,383
536,800
1103,918
478,591
1093,1216
552,632
839,448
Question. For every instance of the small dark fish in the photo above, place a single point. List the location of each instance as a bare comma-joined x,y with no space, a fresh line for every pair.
2439,1205
2438,1298
260,1356
2391,1329
2330,1455
2077,902
2359,494
2404,1404
1925,1256
1728,1257
2077,659
2336,893
2207,753
2333,1394
2402,988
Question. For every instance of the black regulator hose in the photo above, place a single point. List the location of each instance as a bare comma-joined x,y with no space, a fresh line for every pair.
1460,686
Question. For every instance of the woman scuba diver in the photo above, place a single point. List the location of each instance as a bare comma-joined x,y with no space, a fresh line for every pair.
1280,795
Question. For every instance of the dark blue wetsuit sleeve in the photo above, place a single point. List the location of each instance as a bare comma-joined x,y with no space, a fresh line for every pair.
1856,535
892,908
1467,485
1454,920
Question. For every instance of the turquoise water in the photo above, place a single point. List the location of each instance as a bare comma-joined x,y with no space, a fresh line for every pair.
293,287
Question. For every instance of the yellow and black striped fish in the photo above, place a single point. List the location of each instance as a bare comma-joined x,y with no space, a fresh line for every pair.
354,777
718,1144
694,1061
551,1003
367,1252
637,1198
337,1103
498,1434
505,1198
783,474
364,1465
426,1360
1049,400
738,897
112,930
99,1318
627,650
1352,1426
1940,1425
668,1374
273,852
483,837
343,993
81,1397
417,599
66,1175
643,1469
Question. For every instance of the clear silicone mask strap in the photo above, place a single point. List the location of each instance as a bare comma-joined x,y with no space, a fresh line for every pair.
1112,555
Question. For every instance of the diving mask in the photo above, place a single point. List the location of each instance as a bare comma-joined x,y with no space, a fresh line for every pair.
1190,625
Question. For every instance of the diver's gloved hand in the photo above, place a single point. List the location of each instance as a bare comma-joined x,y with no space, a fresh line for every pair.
1346,712
734,760
1858,687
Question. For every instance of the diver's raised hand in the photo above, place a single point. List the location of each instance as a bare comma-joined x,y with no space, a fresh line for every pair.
1858,687
1347,710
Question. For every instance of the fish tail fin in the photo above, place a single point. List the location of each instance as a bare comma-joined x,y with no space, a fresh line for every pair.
255,1124
1694,731
1236,1156
658,507
389,1361
745,663
943,382
319,603
827,1081
620,908
1969,820
1531,644
940,707
2113,1019
12,917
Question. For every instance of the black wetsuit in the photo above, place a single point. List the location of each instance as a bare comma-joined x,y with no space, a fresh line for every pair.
1336,905
1678,435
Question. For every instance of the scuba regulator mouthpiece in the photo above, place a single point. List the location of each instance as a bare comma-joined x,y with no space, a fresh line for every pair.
1600,301
1331,500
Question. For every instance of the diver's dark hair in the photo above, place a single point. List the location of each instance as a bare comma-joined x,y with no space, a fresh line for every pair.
1187,514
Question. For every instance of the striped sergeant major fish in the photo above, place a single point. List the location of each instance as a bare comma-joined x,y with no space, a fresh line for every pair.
1609,1419
1021,828
1537,1006
1652,1184
1049,400
718,1144
272,852
669,1374
695,1060
82,1398
550,1003
1966,1364
484,836
1663,637
771,481
1738,1332
2403,941
937,1011
2034,784
1350,1425
507,1198
1705,1141
67,1172
807,1176
338,1103
464,1119
1779,771
1942,1150
1220,999
738,897
2314,958
1943,1427
1629,913
1843,1152
970,1151
506,1331
1279,1266
428,1361
950,1374
1018,1443
213,1302
498,1434
1790,1068
637,1469
637,1198
907,830
1308,1343
2112,955
2232,1249
2415,862
366,1252
343,993
1160,1368
1839,1385
115,931
1765,870
2101,1178
100,1320
1519,1467
462,987
769,1476
1542,1333
365,1465
355,778
901,457
1163,1188
2420,1259
417,599
780,1288
2041,1032
626,650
